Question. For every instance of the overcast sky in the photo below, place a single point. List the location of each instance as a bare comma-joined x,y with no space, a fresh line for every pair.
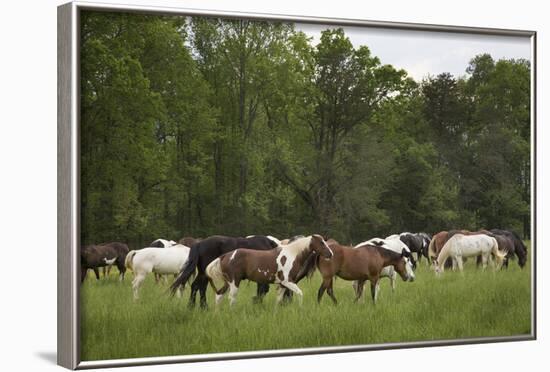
423,53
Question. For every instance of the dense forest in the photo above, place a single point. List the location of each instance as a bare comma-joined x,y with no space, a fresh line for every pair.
201,126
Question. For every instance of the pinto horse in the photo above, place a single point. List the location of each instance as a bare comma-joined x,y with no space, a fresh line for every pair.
279,266
162,243
415,242
159,261
460,246
101,255
204,252
362,263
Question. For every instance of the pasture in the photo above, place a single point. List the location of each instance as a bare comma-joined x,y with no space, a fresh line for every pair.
473,304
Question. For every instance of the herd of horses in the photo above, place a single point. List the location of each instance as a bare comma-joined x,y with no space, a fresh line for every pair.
224,262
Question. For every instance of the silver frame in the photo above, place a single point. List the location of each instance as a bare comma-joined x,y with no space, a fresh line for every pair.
68,183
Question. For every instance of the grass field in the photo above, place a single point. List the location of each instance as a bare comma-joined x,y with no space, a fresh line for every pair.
471,304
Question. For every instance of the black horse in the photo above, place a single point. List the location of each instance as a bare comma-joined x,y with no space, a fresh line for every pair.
206,251
520,250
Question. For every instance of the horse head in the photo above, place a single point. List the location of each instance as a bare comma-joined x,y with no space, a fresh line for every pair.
319,245
404,266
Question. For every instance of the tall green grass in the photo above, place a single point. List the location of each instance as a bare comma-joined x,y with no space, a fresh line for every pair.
473,304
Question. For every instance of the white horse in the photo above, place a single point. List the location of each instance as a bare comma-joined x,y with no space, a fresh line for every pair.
160,261
394,245
461,246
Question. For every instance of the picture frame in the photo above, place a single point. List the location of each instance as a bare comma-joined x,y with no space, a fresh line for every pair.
68,178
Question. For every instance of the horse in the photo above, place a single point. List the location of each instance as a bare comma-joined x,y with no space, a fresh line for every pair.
395,245
361,263
94,256
436,245
460,246
272,238
159,261
414,241
276,266
162,243
505,245
520,250
426,239
206,251
189,241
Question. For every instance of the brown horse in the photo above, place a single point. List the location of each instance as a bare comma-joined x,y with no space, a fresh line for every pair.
280,265
101,255
362,263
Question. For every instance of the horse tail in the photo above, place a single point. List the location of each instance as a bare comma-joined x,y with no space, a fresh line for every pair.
128,262
187,270
214,273
431,250
499,255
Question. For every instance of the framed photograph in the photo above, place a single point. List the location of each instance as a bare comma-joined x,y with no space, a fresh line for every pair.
239,185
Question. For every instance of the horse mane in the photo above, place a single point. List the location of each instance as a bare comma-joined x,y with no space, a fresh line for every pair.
297,246
308,267
385,251
444,253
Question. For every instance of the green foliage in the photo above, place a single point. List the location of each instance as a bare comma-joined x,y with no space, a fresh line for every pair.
201,126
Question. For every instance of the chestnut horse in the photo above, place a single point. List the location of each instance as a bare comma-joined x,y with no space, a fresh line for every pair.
362,263
280,266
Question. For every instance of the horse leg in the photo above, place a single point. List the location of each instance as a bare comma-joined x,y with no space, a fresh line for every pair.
294,288
393,280
157,278
121,269
280,294
261,291
455,263
233,290
460,263
355,285
374,289
193,294
202,289
136,283
484,260
359,284
331,292
96,272
322,289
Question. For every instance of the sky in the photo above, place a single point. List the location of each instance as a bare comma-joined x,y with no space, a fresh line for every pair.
423,53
